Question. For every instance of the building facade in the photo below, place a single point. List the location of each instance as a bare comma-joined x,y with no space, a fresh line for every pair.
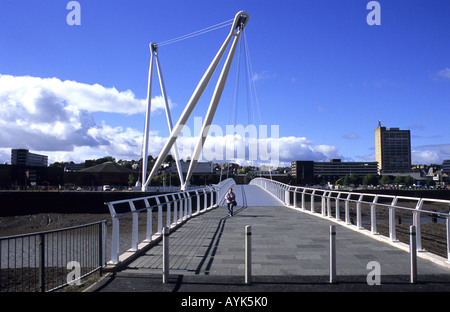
23,157
446,166
307,172
392,149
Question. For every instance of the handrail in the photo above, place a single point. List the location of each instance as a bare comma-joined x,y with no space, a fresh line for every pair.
284,191
178,207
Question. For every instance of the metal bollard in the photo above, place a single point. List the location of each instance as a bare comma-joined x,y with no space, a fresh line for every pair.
413,253
332,254
165,255
248,254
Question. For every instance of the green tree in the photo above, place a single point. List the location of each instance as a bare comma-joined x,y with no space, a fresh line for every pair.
399,180
385,180
409,180
370,179
131,179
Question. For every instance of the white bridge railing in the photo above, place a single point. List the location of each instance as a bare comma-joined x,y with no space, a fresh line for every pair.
378,205
174,208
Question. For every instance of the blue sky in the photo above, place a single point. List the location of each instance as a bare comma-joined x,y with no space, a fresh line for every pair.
321,73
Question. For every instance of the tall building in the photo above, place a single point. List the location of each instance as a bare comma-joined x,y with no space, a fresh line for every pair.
392,149
23,157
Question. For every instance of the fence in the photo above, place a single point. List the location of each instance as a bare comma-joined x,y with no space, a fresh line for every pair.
380,214
47,261
172,208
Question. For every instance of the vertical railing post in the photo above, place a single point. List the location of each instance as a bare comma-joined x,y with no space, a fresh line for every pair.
303,199
211,192
413,253
205,199
180,211
149,234
115,240
332,254
312,200
248,254
323,203
338,215
373,216
189,204
295,198
347,209
101,245
392,232
115,234
447,225
165,255
175,209
134,229
168,212
358,213
42,262
198,201
329,205
416,222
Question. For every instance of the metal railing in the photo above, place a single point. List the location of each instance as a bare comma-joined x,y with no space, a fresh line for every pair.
47,261
172,208
374,212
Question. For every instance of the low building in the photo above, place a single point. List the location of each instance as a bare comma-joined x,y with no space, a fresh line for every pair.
307,172
109,173
23,157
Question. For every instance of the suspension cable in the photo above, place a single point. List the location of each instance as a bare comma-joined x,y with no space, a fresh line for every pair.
196,33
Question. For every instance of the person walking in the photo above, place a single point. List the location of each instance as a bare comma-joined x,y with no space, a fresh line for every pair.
231,201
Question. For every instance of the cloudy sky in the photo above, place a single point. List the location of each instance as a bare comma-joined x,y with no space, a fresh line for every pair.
322,75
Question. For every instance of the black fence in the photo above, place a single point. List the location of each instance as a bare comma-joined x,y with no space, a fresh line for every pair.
47,261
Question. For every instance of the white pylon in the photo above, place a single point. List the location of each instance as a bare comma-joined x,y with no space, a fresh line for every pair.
240,21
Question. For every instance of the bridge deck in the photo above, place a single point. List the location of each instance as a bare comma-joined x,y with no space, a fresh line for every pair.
287,245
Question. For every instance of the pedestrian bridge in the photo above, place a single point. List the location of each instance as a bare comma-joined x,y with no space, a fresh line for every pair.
290,240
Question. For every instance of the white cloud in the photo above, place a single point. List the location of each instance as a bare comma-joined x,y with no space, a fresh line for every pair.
263,75
444,73
430,154
33,93
56,118
51,115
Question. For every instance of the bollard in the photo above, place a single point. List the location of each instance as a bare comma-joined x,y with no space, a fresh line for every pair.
332,254
165,255
248,254
413,253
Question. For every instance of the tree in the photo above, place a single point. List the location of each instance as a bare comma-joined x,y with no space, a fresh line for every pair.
409,180
399,180
370,179
352,179
385,180
131,179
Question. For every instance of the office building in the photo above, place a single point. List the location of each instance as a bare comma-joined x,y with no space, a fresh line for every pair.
392,149
306,172
23,157
303,171
335,168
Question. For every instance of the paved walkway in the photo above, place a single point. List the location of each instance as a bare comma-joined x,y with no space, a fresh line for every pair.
290,252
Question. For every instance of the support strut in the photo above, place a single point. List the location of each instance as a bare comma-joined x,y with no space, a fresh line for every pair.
240,21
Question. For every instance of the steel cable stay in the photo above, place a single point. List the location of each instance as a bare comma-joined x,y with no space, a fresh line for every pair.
252,103
238,25
196,33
